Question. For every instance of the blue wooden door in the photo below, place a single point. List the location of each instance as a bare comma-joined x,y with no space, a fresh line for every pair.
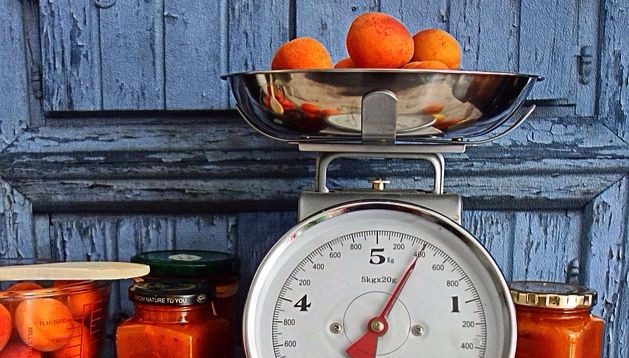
116,135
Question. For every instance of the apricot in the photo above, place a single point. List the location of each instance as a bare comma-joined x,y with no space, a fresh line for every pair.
444,123
44,323
437,45
82,304
17,349
79,345
5,326
24,286
377,40
428,64
432,108
345,63
301,53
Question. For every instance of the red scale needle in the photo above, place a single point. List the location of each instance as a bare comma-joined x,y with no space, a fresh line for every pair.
367,345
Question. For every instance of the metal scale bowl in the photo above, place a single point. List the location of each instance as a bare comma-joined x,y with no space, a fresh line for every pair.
379,272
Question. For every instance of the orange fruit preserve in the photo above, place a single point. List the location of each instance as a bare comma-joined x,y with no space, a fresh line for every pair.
554,321
171,320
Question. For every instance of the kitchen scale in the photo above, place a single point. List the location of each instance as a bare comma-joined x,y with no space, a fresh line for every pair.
378,272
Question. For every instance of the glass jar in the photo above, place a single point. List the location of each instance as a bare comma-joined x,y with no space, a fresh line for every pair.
171,319
54,319
555,321
220,270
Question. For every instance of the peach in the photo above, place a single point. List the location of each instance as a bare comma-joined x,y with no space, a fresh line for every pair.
437,45
428,64
301,53
345,63
17,349
79,345
377,40
44,323
24,286
6,326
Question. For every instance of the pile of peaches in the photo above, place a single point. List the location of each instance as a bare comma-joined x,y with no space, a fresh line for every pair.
63,321
375,40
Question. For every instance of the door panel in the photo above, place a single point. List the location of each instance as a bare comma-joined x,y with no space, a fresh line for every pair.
548,42
132,55
70,46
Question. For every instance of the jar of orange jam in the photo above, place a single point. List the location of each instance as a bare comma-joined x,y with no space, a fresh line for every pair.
555,321
171,319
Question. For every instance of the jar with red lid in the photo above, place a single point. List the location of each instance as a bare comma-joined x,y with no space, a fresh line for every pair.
220,270
555,321
171,319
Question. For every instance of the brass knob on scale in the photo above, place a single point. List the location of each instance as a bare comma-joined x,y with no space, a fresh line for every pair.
379,184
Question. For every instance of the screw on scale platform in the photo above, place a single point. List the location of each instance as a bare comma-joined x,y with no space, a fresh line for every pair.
379,184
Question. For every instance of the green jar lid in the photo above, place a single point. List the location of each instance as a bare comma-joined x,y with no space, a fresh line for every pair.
189,263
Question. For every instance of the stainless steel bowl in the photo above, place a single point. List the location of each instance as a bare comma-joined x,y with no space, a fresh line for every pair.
325,105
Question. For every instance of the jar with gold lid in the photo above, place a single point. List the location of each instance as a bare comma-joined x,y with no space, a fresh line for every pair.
555,321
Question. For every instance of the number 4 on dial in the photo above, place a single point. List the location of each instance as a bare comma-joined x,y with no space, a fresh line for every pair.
303,304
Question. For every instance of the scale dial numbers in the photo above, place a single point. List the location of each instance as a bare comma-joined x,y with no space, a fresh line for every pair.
449,311
322,284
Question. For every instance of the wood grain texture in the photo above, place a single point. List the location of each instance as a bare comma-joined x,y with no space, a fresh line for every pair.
589,23
419,15
132,55
250,48
489,41
614,98
195,40
223,160
329,24
547,46
495,230
16,224
70,55
14,103
606,266
544,243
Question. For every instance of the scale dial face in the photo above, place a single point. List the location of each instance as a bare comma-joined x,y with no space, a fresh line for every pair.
319,287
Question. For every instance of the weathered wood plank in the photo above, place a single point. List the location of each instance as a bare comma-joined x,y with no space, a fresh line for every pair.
196,54
589,24
189,142
16,224
132,55
255,30
217,232
495,231
329,24
41,223
547,46
419,15
614,97
152,195
606,268
33,49
488,33
71,58
225,160
13,85
544,244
